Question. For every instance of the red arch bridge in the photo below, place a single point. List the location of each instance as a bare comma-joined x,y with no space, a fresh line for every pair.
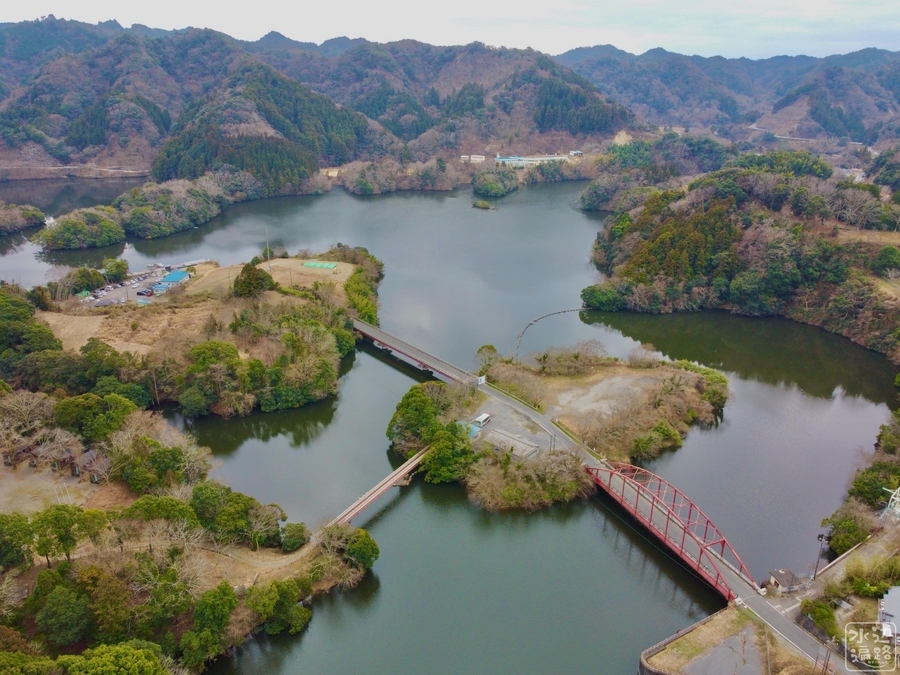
678,523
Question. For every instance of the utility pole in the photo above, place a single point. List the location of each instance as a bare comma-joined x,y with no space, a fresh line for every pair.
821,538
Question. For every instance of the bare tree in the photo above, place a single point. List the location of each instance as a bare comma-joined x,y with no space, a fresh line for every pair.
25,412
8,599
335,538
856,207
643,356
263,520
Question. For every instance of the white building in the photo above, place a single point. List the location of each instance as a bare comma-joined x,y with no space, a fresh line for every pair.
516,162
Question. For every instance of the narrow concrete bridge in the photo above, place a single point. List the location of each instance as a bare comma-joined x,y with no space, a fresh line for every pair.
393,479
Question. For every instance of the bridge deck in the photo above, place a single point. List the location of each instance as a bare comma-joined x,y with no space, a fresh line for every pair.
386,484
419,357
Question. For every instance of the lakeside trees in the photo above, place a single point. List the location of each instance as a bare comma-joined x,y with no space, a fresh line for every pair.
495,183
727,243
103,385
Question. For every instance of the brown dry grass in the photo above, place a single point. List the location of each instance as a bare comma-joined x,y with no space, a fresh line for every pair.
286,271
162,324
608,408
889,288
693,643
729,622
113,495
73,330
850,234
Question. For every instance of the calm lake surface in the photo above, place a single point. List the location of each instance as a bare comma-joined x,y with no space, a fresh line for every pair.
572,588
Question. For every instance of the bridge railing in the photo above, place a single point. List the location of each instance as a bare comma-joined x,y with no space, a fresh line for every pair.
673,519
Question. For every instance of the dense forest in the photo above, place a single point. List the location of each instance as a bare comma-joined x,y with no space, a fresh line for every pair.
308,126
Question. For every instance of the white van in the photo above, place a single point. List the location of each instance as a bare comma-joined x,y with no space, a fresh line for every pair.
482,420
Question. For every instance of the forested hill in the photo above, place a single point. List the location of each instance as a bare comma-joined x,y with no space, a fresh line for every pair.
111,99
853,96
266,124
180,104
447,97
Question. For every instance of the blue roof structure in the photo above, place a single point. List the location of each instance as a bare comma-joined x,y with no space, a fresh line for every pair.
175,277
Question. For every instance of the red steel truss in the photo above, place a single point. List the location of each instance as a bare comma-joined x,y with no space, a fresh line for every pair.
673,519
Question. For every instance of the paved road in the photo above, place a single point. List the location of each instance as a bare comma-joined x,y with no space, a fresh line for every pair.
562,440
778,622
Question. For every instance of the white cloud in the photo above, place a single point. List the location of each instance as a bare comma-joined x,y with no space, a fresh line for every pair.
756,28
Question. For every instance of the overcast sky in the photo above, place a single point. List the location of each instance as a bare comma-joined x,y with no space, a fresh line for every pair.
754,28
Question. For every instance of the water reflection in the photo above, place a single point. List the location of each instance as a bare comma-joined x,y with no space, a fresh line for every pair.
12,243
55,196
298,430
89,257
770,349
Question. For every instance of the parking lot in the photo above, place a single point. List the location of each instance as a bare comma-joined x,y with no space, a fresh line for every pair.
512,423
127,291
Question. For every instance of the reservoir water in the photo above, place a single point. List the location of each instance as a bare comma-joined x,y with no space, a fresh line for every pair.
569,589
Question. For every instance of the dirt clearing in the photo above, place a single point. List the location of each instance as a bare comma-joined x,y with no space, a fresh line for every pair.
286,271
73,331
27,490
623,411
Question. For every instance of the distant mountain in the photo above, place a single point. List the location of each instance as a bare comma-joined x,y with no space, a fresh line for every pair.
274,41
102,99
469,96
110,99
181,103
856,95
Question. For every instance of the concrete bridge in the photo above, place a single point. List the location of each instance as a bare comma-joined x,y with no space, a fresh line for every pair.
659,506
393,479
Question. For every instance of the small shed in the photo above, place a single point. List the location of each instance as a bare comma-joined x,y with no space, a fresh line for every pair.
785,581
41,452
503,441
62,460
15,455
